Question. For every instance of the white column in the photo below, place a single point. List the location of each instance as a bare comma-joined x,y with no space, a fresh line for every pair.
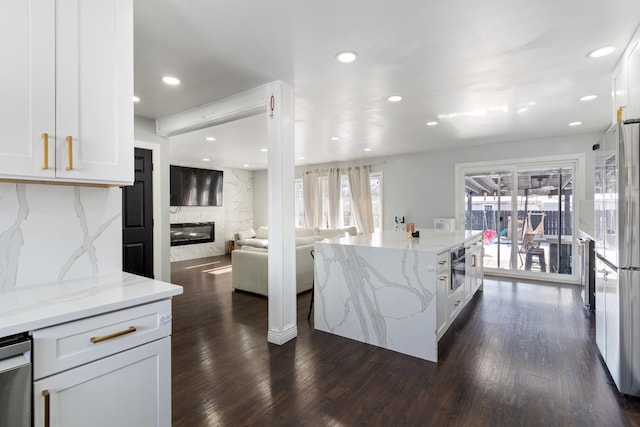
280,177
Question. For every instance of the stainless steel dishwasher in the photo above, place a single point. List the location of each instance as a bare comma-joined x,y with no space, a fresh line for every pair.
15,381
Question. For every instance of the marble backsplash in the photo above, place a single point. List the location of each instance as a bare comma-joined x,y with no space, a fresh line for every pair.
50,233
236,213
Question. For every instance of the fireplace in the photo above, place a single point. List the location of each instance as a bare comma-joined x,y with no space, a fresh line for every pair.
189,233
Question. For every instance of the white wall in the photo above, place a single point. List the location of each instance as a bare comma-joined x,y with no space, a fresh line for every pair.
420,186
260,196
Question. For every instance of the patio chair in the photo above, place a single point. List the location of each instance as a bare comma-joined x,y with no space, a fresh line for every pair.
530,248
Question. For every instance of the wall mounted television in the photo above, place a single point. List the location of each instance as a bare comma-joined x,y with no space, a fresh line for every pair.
194,187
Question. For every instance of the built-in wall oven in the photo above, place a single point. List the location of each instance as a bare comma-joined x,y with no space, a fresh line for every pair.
457,267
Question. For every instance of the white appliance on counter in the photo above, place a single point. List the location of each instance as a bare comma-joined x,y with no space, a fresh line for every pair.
617,247
444,224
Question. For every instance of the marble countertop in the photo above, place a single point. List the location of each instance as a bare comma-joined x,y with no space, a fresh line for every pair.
430,239
33,307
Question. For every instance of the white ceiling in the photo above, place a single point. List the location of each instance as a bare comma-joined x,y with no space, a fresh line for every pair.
469,64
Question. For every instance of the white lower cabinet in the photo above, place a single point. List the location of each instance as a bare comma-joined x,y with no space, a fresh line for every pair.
112,369
451,302
455,303
443,283
128,389
475,270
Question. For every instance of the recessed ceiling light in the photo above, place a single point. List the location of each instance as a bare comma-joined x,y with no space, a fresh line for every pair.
301,158
603,51
522,110
432,123
171,80
367,149
335,138
575,123
136,99
394,98
210,138
588,98
264,150
346,57
246,165
205,159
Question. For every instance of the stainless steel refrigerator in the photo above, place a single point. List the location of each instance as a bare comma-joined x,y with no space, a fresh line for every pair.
617,246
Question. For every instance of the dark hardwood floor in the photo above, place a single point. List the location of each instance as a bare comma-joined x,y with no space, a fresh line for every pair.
521,354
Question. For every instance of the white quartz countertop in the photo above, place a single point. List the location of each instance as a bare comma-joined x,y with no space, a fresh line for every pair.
430,240
39,306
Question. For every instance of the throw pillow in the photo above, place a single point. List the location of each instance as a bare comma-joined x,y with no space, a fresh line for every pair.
262,232
248,234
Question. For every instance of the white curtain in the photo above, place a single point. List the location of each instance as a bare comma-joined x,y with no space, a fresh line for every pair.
361,198
311,195
334,196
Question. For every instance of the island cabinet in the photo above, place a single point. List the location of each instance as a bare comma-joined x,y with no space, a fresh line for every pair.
113,369
443,284
393,292
474,266
66,92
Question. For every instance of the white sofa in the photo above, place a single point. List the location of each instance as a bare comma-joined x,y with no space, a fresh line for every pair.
250,272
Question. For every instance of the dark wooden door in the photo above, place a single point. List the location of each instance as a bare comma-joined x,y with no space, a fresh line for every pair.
137,218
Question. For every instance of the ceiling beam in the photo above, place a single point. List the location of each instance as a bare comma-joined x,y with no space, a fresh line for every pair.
474,182
242,105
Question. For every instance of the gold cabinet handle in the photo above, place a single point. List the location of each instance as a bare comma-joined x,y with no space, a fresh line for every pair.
443,262
442,278
69,153
457,303
473,260
45,147
47,408
620,110
129,330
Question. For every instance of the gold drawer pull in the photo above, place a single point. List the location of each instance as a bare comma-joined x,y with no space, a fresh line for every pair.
457,303
473,260
47,408
45,147
70,153
96,340
442,278
443,262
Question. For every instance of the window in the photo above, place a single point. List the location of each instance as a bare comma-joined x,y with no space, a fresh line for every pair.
375,179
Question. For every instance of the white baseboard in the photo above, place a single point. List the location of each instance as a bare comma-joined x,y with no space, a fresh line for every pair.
281,337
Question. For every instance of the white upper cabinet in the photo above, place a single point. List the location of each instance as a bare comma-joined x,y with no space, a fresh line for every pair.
619,94
71,82
633,70
27,88
625,81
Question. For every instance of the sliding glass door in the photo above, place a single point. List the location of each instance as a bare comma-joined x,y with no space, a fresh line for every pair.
526,214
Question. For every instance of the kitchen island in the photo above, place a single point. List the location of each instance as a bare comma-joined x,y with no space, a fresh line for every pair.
390,291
